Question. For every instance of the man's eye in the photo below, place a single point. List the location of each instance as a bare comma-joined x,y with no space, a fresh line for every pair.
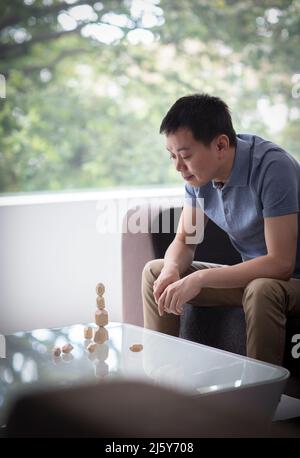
186,157
171,157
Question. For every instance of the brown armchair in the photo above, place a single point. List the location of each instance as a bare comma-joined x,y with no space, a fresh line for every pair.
220,326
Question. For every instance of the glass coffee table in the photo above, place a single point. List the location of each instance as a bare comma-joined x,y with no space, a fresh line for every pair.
191,368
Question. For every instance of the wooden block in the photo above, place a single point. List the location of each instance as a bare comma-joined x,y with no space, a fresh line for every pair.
92,347
102,351
92,356
100,302
56,351
67,357
100,289
101,317
101,335
136,347
101,369
88,332
67,348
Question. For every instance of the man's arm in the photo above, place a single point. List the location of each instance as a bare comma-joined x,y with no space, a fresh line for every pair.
281,234
190,232
180,253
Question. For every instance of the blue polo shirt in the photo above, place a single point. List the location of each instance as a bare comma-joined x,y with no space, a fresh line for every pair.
264,182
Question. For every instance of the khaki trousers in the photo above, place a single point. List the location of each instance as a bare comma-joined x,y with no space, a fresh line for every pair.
266,302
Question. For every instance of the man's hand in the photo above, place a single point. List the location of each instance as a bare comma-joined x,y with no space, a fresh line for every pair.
178,293
166,277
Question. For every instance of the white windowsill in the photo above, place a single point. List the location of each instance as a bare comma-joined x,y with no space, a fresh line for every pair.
80,196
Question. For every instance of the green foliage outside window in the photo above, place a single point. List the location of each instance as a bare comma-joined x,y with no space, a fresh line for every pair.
87,83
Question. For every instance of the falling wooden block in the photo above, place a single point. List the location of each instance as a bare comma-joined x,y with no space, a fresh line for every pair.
56,351
67,348
101,335
100,302
88,332
100,289
101,317
92,347
136,347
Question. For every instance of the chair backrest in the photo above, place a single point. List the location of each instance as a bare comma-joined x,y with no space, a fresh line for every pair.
216,246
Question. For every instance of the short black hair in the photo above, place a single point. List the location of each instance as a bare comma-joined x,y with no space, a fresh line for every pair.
206,116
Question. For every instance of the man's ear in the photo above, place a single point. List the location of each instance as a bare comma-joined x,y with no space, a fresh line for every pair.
222,142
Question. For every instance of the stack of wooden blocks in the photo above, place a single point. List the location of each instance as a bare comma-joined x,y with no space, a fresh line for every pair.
101,319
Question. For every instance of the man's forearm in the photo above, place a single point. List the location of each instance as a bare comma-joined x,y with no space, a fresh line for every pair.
179,255
239,275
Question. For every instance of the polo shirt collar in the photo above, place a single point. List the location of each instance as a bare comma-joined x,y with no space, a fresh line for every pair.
241,163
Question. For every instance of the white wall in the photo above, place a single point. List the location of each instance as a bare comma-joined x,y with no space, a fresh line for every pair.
52,256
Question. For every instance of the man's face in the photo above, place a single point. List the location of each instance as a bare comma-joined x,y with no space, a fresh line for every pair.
196,162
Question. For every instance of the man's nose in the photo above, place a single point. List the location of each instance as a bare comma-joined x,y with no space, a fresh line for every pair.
179,164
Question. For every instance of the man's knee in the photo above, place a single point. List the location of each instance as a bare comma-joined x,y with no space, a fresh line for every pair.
262,292
152,269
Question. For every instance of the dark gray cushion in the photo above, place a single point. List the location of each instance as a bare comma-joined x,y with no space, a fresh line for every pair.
217,326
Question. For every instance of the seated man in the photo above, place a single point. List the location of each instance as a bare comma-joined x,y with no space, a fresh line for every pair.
249,187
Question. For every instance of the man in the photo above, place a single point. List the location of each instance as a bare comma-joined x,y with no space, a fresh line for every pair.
250,188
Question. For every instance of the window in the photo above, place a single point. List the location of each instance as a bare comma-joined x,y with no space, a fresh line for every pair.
84,88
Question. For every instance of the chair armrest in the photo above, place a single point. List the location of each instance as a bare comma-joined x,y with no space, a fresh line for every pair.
141,247
137,250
